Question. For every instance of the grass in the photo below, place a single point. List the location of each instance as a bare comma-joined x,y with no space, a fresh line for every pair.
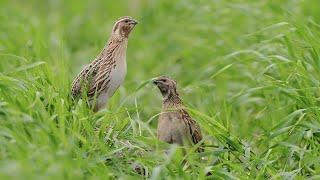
249,72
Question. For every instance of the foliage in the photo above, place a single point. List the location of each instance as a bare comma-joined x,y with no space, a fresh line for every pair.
248,71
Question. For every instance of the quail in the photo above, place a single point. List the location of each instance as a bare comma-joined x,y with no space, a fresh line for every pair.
175,125
102,77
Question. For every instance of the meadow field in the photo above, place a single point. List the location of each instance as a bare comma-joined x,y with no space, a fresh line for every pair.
248,71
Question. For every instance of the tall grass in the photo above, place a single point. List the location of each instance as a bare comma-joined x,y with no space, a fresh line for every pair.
248,71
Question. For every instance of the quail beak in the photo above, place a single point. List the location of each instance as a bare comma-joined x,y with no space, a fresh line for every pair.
134,22
155,81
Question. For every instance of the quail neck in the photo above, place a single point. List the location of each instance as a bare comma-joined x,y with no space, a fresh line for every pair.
173,101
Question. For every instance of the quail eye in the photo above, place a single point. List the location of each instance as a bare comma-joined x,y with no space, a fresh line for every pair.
126,21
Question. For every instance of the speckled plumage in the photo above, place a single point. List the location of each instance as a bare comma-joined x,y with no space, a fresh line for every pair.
102,77
175,124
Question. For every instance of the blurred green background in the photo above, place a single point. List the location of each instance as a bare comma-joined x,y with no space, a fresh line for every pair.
248,70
